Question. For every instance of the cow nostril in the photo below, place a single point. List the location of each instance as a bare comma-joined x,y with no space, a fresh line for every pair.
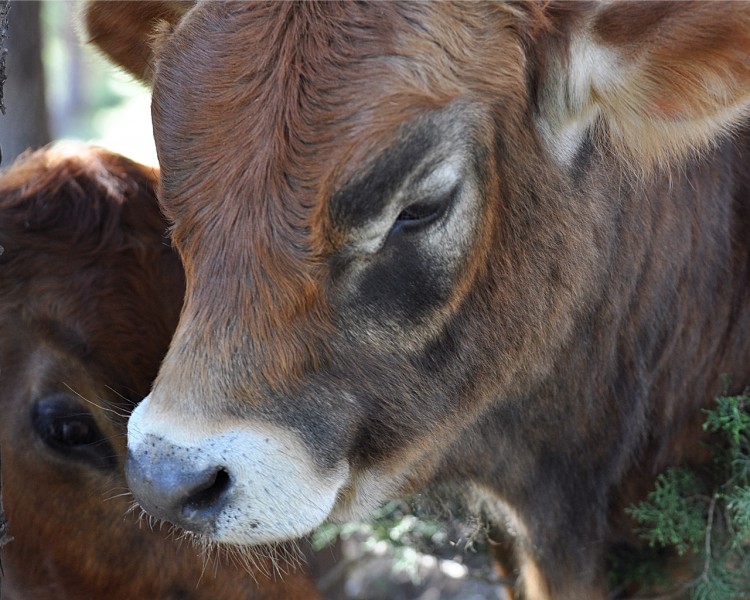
171,489
208,495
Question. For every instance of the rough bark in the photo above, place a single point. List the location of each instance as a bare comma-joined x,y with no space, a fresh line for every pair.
4,535
25,122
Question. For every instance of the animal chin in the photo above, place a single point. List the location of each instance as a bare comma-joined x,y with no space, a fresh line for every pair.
274,561
365,492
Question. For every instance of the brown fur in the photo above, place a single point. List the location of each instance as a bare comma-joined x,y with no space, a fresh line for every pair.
592,318
90,292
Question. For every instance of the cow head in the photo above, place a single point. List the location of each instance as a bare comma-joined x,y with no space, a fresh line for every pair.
394,219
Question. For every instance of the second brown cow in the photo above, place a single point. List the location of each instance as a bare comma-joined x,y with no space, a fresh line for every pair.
89,295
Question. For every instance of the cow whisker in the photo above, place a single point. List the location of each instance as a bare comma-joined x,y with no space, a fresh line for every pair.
109,411
209,553
125,494
247,560
129,401
273,561
131,509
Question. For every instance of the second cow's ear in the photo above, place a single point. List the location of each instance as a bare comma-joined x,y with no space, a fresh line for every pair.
125,31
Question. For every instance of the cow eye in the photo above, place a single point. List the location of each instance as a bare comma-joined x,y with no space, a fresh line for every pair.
71,431
420,214
421,211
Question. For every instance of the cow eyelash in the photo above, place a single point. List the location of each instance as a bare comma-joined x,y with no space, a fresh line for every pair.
422,213
418,212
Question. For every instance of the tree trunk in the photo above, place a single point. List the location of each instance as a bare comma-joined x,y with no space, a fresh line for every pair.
25,124
4,535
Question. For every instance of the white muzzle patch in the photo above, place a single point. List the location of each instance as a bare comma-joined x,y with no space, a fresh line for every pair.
274,492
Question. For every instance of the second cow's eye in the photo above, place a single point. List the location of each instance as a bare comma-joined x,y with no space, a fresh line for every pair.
76,431
71,431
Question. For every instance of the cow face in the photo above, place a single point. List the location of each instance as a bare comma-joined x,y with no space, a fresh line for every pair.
399,224
351,278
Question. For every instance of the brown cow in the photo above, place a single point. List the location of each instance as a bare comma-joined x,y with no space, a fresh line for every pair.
89,295
501,245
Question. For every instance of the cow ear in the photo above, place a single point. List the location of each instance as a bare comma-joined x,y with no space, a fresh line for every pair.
125,30
659,79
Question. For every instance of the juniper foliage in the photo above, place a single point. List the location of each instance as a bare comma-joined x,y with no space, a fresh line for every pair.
701,515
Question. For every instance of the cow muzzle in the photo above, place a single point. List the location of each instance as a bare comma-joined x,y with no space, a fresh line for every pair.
242,483
168,486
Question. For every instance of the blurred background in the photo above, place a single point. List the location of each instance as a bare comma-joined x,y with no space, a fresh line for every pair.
58,87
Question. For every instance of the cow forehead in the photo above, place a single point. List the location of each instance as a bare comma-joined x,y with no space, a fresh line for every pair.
283,98
262,112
